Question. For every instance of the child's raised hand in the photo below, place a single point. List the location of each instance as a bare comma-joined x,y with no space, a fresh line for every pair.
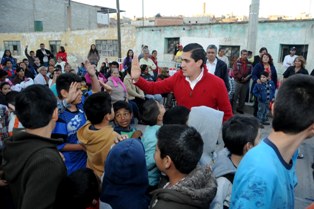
136,70
91,69
73,92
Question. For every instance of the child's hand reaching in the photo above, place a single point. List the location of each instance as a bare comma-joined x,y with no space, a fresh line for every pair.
120,138
74,91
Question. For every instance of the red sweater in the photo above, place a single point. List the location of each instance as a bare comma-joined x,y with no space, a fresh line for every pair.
210,91
62,55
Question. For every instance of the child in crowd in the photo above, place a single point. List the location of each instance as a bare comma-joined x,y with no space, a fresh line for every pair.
125,181
178,151
97,135
5,88
122,119
72,117
79,190
266,176
153,113
33,166
176,115
240,134
265,93
14,123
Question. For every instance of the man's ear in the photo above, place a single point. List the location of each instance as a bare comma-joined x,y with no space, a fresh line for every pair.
64,93
199,62
55,115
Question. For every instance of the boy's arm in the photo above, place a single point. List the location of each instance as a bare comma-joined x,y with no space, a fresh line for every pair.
92,73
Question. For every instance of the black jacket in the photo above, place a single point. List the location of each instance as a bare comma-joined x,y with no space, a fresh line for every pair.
34,169
41,55
222,72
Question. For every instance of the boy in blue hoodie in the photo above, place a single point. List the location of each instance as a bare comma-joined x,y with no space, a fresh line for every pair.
265,93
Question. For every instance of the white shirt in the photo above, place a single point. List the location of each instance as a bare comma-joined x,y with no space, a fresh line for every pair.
211,66
288,61
225,59
194,82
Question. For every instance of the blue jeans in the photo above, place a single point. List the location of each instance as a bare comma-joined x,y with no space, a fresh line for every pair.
263,109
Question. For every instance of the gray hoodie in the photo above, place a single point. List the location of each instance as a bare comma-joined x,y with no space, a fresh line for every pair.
208,122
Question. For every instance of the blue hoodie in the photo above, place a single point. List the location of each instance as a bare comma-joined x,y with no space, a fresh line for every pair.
125,180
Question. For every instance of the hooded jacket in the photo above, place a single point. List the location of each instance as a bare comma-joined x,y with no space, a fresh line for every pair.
209,127
98,144
125,179
224,171
196,191
34,168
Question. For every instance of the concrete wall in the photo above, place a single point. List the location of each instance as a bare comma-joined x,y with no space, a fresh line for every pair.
77,43
270,35
20,15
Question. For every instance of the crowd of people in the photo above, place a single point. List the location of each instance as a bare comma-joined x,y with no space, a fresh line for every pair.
70,138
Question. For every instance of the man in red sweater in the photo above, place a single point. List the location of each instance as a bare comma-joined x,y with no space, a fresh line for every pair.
192,86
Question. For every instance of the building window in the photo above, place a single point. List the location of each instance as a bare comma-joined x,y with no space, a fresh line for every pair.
171,45
13,46
54,46
232,52
285,50
38,26
107,48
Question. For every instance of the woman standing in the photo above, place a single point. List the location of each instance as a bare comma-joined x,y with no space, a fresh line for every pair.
62,54
297,68
93,55
265,64
128,59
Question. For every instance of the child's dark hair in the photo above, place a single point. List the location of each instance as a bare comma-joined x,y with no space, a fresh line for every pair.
122,105
176,115
3,84
78,190
183,144
150,112
11,96
143,68
264,73
294,105
238,131
64,82
97,106
35,105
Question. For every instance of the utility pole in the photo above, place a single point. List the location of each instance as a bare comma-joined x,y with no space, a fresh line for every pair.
252,27
119,29
69,16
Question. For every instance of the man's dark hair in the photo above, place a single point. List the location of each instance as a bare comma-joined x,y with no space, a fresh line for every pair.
243,50
183,144
24,60
122,105
221,48
64,82
238,131
78,190
11,96
97,106
197,52
35,105
262,49
150,112
176,115
114,63
294,105
6,62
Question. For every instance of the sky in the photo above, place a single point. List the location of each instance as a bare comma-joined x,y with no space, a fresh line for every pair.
133,8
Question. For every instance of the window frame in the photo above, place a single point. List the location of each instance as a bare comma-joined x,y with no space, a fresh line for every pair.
9,44
168,42
107,47
285,50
